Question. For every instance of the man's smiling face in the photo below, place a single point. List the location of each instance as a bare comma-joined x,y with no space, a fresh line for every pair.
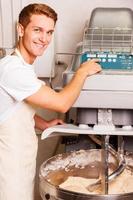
36,36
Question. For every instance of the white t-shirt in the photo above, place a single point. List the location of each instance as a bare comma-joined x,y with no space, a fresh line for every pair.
17,81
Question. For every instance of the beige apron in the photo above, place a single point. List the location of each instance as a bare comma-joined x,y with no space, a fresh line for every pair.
18,149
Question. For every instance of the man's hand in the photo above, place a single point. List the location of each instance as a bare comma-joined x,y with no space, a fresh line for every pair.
54,122
42,124
89,67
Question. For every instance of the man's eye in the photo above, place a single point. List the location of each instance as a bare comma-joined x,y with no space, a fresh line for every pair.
37,30
50,32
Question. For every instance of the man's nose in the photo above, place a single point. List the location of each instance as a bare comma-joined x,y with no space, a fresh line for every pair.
44,37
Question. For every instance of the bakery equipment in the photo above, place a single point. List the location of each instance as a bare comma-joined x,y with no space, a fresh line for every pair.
105,104
84,164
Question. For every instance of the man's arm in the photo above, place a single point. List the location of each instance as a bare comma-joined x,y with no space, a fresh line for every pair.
61,101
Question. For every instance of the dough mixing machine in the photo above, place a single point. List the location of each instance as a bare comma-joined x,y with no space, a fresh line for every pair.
104,107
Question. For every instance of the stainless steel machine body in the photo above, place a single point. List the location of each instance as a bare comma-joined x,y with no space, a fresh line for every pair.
110,92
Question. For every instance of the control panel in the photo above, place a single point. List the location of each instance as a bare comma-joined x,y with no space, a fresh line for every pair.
108,60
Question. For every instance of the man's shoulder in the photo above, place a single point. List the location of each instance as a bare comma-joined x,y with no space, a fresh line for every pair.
9,60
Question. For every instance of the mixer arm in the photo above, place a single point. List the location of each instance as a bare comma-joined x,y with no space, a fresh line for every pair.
118,156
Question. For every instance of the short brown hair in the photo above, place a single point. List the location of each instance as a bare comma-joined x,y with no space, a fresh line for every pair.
36,9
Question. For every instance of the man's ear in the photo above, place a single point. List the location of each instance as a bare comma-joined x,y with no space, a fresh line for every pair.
20,30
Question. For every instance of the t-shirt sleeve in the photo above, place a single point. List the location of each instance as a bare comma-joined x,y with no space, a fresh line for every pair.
21,83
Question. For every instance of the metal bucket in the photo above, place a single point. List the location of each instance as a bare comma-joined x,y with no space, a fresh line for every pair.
86,164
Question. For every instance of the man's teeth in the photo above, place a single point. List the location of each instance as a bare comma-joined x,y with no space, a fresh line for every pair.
40,45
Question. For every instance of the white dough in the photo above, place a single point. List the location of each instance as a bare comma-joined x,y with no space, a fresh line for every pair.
122,184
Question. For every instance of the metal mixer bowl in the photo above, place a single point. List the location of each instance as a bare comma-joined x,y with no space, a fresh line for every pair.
86,164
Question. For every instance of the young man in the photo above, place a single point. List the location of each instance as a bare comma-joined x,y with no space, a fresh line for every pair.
20,91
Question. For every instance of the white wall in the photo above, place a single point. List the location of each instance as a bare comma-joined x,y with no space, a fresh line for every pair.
8,15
